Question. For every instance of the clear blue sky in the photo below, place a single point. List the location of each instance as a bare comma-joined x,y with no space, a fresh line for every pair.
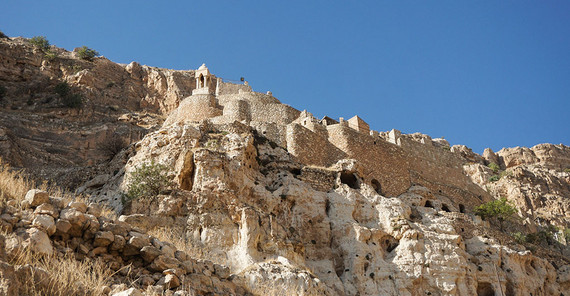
479,73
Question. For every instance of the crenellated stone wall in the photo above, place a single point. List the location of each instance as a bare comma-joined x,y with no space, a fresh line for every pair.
311,148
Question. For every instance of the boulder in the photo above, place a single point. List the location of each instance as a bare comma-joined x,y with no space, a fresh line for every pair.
149,253
39,242
118,244
47,209
171,281
36,197
78,205
103,238
45,223
128,292
162,262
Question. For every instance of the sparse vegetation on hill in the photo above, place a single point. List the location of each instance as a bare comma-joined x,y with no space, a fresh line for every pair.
495,167
86,53
62,89
112,146
147,181
499,210
40,42
68,99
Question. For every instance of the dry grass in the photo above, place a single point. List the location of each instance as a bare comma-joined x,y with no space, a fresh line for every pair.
60,275
13,185
51,275
177,237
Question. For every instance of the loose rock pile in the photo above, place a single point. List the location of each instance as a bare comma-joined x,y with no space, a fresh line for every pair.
49,227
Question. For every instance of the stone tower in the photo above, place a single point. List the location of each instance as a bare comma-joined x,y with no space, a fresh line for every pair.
203,81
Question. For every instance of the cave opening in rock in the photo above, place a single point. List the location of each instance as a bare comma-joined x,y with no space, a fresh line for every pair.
295,171
461,208
445,208
349,178
428,204
376,186
485,289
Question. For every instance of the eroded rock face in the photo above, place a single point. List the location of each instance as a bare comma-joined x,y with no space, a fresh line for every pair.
536,180
251,208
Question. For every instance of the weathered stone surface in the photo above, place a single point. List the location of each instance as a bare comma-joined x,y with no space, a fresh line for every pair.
103,239
78,205
45,223
39,242
63,226
162,262
36,197
171,281
129,292
47,209
149,253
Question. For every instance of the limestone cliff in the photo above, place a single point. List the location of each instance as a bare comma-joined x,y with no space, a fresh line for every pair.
280,202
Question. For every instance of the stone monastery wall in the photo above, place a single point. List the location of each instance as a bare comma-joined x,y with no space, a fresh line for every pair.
224,88
311,148
432,165
386,163
392,162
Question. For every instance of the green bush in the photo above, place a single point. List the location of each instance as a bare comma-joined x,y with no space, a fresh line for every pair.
500,210
50,55
540,237
73,101
505,174
494,178
495,167
567,170
147,181
62,89
40,42
86,53
3,91
519,237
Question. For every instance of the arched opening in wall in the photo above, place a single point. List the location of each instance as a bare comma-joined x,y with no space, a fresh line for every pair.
485,289
428,204
376,186
201,80
445,208
349,178
461,208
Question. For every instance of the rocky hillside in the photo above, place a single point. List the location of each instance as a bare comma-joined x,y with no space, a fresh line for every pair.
251,196
120,103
